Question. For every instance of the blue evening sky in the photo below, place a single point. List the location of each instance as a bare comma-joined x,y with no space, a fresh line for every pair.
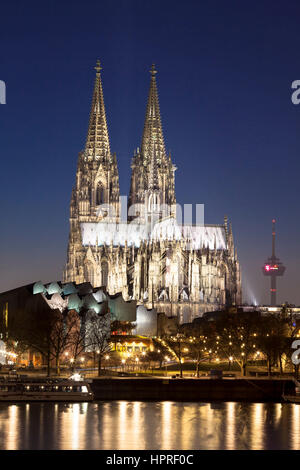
225,73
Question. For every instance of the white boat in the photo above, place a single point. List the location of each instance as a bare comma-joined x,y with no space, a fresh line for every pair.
45,390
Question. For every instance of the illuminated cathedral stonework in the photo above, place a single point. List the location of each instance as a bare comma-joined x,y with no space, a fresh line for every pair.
181,270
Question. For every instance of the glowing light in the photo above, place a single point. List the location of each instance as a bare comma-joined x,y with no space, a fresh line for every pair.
76,377
271,267
7,353
12,428
257,421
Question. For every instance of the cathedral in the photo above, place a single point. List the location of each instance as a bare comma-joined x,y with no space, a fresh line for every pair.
147,255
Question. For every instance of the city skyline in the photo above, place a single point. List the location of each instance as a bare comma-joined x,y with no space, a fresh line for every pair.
227,137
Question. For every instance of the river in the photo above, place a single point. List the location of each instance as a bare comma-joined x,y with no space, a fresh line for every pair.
149,425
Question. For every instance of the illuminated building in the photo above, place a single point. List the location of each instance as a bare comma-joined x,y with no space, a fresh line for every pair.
181,270
130,345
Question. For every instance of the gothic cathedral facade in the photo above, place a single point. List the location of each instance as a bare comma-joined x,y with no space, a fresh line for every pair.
181,270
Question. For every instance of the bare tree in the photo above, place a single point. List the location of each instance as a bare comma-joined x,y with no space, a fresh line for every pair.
177,345
47,331
201,343
237,337
98,334
79,340
63,326
159,353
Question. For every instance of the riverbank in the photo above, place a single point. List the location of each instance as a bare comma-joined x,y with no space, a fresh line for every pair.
206,389
168,388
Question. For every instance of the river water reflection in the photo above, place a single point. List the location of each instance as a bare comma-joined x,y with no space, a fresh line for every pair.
149,425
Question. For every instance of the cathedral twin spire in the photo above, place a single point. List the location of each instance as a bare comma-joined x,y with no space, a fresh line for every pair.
152,170
97,144
153,140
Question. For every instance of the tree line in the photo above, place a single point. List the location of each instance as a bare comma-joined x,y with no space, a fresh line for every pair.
239,338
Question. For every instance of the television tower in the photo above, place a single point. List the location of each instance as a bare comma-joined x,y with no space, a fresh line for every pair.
273,268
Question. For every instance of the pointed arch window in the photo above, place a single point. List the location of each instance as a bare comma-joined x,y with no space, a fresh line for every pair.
99,194
90,273
143,275
104,273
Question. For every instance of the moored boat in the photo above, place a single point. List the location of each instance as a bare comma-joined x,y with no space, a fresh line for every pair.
45,390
